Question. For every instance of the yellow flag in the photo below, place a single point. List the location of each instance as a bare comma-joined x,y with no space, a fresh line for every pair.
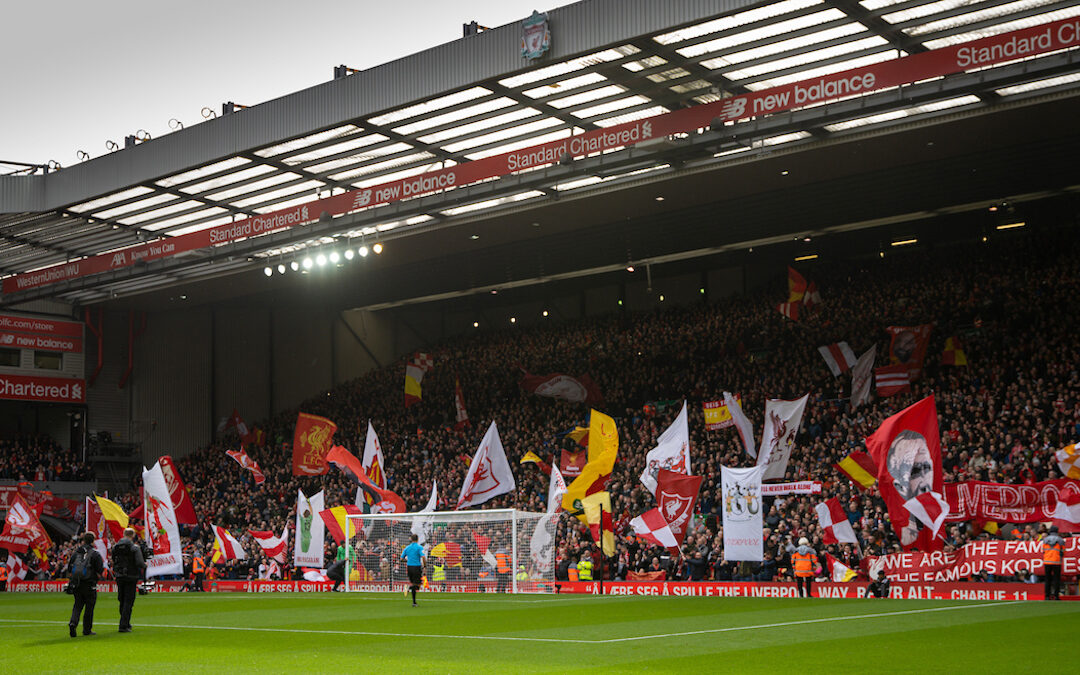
603,450
530,456
217,554
597,508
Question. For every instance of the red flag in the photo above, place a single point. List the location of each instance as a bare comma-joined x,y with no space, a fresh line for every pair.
228,545
234,421
571,463
652,527
892,380
23,529
908,346
312,440
459,405
251,465
385,500
906,450
579,389
796,285
178,494
860,468
271,545
335,520
676,495
834,523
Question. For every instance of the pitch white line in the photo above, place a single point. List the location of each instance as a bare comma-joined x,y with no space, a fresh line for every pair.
804,621
505,638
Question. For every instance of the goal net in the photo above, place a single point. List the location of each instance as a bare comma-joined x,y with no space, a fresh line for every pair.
492,551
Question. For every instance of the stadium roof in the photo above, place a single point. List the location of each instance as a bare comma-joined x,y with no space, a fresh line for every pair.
611,62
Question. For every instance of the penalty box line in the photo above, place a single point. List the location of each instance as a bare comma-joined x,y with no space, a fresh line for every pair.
506,638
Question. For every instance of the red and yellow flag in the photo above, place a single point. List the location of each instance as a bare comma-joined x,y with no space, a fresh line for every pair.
603,451
335,521
860,468
312,440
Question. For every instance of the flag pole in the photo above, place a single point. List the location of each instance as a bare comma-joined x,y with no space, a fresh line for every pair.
601,576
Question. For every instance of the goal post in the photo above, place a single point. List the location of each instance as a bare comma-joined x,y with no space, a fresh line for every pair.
479,551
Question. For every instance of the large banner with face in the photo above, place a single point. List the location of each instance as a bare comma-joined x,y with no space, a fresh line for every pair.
741,491
162,533
907,451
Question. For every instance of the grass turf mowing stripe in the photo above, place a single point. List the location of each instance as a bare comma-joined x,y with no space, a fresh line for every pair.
508,638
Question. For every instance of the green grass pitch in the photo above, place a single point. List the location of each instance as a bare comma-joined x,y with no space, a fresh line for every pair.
306,633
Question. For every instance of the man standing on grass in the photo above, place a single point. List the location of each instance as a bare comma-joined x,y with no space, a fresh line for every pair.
84,569
1053,546
414,555
128,565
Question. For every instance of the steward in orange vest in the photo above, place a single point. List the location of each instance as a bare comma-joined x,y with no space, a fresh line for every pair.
1053,547
803,560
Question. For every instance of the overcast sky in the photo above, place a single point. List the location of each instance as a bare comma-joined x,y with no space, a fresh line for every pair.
74,73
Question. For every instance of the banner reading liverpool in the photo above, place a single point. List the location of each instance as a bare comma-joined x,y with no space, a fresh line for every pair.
742,518
181,501
906,449
782,421
310,531
162,533
672,452
312,440
1002,503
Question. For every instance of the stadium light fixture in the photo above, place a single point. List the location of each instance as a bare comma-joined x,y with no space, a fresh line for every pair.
335,257
281,268
812,256
268,271
475,324
377,248
1011,226
513,319
308,263
905,242
362,251
545,312
659,198
320,260
349,254
661,297
629,268
294,266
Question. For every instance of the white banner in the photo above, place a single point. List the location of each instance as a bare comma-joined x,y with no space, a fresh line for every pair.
310,531
541,541
862,378
742,423
489,474
672,452
421,527
782,420
162,534
741,491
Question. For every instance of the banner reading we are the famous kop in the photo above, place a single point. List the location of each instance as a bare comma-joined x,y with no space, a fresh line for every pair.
981,53
1000,558
1003,503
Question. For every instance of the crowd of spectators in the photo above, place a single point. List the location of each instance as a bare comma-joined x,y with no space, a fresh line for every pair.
39,458
1002,416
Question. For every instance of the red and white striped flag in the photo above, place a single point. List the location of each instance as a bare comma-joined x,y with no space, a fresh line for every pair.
251,465
838,357
789,309
838,571
273,570
891,380
272,546
834,523
228,545
930,509
1067,512
652,527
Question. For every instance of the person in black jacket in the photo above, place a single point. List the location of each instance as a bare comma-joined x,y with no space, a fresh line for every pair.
128,567
86,562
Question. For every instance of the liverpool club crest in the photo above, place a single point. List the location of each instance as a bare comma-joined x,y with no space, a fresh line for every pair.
536,36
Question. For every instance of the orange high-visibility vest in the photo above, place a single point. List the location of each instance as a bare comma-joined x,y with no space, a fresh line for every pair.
803,564
1052,553
197,565
571,574
503,561
3,573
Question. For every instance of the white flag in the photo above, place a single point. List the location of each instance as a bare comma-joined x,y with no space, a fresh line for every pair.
421,527
373,462
741,493
162,534
742,424
228,545
556,490
782,421
310,531
862,378
672,452
489,474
